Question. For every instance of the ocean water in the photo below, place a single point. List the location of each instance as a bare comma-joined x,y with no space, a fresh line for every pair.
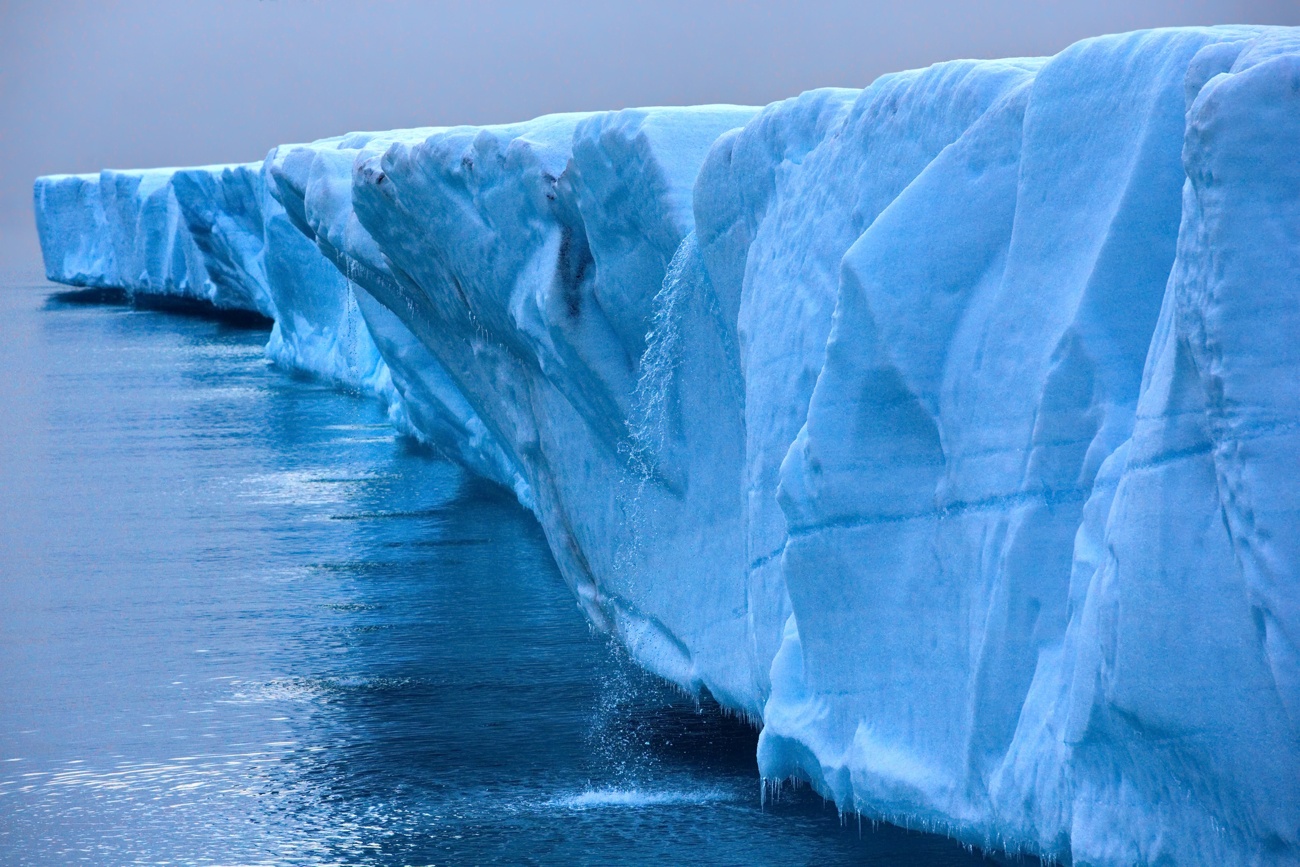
243,622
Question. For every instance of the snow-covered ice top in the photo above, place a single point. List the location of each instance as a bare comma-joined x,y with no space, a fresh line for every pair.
949,428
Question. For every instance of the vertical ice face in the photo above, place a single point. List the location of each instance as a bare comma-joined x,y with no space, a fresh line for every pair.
342,327
151,250
777,207
222,208
948,427
1186,642
965,436
118,229
321,330
528,260
76,243
188,233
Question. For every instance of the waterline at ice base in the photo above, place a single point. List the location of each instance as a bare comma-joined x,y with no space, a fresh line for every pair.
948,429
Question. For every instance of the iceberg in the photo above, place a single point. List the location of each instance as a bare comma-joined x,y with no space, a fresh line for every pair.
986,462
194,234
948,429
529,257
313,182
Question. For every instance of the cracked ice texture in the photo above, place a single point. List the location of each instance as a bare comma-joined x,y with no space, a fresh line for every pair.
949,428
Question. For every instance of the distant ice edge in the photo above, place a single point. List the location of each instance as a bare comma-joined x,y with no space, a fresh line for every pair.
949,428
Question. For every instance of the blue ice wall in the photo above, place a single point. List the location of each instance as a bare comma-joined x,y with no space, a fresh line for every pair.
948,428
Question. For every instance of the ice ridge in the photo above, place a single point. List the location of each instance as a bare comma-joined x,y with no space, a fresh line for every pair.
948,428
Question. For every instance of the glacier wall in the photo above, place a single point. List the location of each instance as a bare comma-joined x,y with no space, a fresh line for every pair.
1038,460
188,233
948,428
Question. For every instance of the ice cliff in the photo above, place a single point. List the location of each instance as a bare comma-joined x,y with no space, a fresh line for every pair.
949,428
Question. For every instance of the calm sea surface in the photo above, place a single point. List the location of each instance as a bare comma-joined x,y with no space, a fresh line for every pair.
242,622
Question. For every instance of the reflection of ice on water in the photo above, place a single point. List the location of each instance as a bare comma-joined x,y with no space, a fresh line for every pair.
225,773
256,804
317,689
312,486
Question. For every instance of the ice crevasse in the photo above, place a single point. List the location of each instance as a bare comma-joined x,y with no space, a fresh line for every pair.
949,428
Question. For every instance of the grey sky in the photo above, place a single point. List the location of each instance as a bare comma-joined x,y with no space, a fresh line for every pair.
178,82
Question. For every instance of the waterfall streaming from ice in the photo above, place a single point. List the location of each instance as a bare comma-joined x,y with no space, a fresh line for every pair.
652,418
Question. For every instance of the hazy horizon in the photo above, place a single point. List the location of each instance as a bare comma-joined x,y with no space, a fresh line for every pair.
85,86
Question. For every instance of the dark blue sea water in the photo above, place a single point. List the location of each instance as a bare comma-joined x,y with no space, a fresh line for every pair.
242,622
